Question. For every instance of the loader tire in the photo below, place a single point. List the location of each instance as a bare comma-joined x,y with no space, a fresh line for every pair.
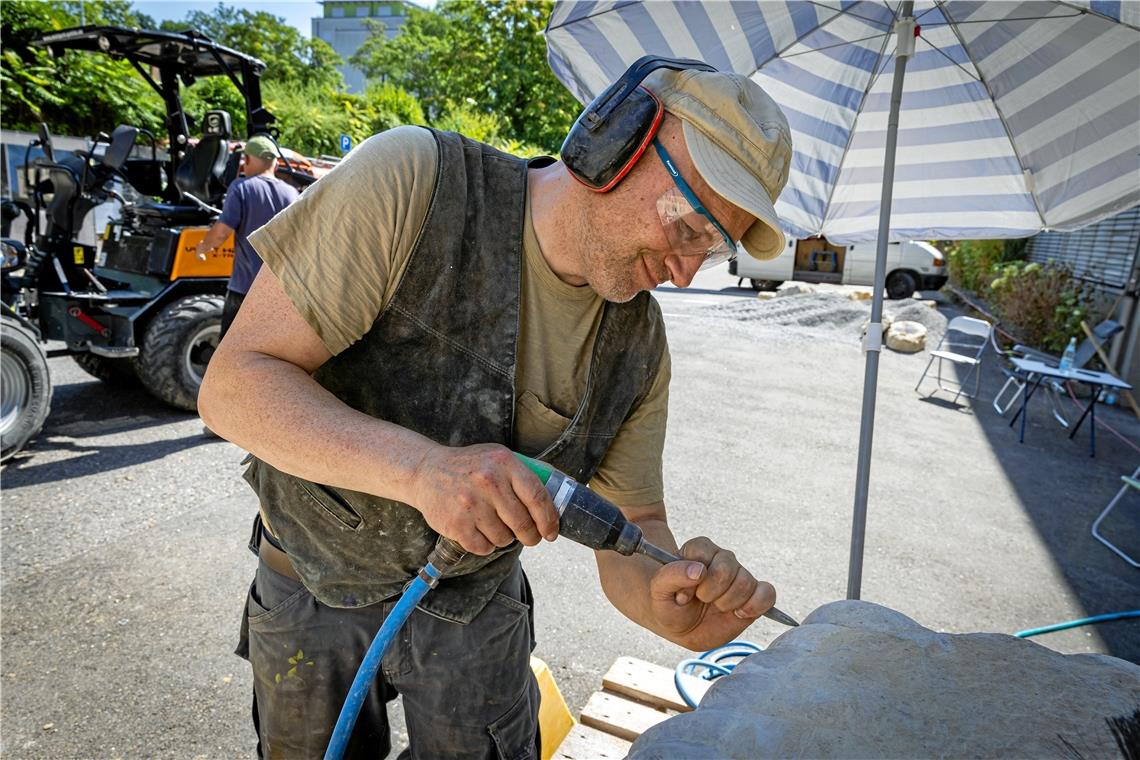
177,347
113,372
25,387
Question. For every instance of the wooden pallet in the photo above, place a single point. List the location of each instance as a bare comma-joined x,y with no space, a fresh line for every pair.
635,696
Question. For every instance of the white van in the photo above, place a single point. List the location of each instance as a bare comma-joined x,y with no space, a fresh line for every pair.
910,266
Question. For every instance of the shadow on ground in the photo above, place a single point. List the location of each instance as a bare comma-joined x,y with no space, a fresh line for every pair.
92,410
1062,489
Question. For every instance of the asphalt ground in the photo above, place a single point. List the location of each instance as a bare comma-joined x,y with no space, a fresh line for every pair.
123,529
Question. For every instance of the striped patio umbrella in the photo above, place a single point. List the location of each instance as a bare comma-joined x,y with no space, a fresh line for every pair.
1013,117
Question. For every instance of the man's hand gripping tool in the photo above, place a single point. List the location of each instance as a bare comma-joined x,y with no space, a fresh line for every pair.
587,518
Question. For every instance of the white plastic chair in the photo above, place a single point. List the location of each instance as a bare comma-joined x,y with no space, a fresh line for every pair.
1016,380
968,336
1130,483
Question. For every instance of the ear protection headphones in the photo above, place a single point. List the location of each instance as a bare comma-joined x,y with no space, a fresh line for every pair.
616,127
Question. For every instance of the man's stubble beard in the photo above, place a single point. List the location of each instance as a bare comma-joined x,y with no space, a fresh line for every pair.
609,272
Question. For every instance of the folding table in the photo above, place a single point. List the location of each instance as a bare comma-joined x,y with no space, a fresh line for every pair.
1036,372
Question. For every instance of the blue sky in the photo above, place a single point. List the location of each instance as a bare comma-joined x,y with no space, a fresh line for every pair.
297,13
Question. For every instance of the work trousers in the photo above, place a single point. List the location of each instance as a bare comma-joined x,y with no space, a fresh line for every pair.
468,690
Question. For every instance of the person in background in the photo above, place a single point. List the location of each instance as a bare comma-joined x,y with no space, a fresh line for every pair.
251,201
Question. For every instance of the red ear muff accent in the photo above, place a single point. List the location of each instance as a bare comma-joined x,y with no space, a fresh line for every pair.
610,135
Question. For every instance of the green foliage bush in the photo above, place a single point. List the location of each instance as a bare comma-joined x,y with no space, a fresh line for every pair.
485,127
478,125
972,263
392,106
79,93
476,67
82,94
1042,304
306,121
1045,303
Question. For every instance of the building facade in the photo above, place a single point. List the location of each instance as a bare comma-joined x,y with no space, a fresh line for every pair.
344,26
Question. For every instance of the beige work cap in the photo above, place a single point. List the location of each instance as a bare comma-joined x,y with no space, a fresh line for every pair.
739,141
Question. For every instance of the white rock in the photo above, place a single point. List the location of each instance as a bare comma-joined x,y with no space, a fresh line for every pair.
886,321
860,680
794,289
906,337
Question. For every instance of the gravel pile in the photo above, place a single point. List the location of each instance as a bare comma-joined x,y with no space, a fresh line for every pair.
821,315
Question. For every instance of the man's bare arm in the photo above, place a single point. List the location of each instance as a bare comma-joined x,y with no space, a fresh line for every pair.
214,237
259,393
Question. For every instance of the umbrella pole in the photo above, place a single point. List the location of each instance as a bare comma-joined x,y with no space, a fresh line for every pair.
904,29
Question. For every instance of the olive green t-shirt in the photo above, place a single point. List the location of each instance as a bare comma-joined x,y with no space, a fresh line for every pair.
341,249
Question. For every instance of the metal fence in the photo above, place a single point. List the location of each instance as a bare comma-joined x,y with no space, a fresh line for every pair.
1104,253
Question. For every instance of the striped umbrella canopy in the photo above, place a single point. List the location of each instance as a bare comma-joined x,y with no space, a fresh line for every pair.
1015,117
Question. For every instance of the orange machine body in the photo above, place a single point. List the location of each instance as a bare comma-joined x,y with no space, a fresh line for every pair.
218,263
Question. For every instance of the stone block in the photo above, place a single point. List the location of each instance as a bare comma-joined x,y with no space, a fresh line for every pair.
860,680
906,337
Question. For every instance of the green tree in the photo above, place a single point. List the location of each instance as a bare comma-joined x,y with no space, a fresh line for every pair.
477,55
78,93
301,85
288,56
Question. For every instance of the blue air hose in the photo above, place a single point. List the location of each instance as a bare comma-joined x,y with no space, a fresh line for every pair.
372,658
714,665
1077,623
446,554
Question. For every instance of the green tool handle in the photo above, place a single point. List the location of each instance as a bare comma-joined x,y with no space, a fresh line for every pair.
541,469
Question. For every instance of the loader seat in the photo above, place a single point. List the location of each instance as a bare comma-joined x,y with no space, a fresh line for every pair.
202,170
67,207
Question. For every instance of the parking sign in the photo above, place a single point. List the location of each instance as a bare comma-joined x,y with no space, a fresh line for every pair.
345,143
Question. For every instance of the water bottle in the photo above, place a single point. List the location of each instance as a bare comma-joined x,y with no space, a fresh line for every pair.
1069,355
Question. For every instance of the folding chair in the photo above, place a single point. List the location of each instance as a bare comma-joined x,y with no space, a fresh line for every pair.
1085,352
1129,483
973,335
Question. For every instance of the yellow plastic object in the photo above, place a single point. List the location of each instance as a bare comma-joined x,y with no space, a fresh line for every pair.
554,718
219,262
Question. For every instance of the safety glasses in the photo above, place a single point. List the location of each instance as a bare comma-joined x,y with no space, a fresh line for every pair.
689,227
